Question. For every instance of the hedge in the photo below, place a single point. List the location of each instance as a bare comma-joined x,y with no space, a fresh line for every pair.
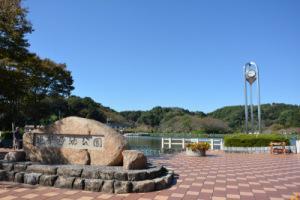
247,140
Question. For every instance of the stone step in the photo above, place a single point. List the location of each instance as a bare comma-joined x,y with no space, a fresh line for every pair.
90,178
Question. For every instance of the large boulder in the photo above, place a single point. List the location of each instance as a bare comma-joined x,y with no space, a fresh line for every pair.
75,140
133,159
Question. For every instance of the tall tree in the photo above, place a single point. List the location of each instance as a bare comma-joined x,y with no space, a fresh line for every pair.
13,51
46,80
26,81
13,28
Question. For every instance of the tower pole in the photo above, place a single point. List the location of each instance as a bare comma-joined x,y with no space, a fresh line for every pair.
258,101
251,109
246,101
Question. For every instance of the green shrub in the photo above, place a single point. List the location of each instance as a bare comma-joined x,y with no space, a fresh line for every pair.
247,140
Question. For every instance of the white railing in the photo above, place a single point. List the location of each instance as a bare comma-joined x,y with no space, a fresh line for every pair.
216,144
298,146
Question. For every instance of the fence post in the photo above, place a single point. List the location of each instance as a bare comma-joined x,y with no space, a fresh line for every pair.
298,146
183,143
162,142
170,143
222,144
212,144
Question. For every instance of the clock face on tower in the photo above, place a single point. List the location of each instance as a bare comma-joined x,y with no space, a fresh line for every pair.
251,74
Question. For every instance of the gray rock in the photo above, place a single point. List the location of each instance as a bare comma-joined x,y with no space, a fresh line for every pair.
20,167
31,163
43,169
169,178
107,174
143,186
153,173
19,177
15,156
73,171
133,159
8,166
90,173
137,175
10,176
160,183
47,180
121,176
79,184
122,187
32,178
64,182
108,186
169,171
94,185
3,175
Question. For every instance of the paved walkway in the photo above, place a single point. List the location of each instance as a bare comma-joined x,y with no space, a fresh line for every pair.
217,176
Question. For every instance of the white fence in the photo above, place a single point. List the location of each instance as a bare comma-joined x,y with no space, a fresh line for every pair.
298,146
216,144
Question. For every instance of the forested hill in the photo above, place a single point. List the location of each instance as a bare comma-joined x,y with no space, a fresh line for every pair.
275,116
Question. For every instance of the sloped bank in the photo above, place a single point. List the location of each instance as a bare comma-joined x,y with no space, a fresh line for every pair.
109,179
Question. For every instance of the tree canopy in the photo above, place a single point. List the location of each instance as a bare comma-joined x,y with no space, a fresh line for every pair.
27,82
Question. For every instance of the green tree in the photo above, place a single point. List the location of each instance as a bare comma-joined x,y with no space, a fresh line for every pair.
290,118
85,107
25,79
13,51
13,28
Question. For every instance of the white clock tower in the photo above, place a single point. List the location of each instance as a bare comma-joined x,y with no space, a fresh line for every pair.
251,75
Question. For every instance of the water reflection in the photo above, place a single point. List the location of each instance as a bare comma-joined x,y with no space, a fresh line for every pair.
151,146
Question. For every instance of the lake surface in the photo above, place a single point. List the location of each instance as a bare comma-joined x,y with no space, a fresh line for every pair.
151,146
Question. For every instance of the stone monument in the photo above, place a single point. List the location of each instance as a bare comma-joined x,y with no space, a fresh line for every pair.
75,140
84,154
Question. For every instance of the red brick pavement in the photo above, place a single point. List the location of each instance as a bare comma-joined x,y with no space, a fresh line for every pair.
217,176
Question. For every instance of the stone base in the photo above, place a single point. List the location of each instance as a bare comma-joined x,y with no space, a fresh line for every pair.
91,178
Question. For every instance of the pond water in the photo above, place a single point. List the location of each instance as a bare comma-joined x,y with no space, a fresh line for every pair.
151,146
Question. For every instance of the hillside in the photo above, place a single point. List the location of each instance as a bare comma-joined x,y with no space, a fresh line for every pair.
275,116
161,119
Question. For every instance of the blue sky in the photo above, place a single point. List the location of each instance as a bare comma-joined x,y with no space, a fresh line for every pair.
134,55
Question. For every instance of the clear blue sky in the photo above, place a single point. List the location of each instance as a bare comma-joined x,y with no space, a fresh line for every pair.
135,54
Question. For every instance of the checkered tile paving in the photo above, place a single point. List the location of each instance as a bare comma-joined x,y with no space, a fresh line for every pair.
217,176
